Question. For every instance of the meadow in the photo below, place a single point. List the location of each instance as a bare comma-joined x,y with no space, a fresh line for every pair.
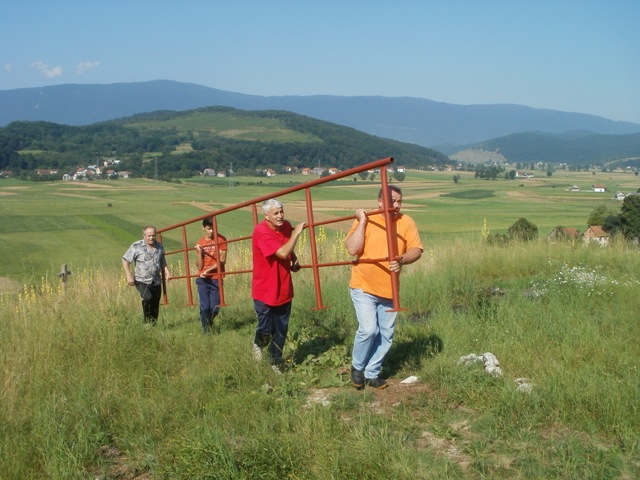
88,392
89,225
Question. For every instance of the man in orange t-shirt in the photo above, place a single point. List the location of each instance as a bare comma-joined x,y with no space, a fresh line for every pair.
370,285
211,254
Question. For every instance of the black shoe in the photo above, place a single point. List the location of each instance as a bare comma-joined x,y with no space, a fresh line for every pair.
357,378
376,383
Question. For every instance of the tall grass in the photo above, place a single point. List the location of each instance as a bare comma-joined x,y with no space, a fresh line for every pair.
88,392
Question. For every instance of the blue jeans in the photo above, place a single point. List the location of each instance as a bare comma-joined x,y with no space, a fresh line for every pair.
209,296
375,331
273,325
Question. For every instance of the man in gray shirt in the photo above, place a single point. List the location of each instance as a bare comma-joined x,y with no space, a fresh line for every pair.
150,263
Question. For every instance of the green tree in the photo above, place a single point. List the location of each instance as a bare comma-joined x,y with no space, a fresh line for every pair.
630,217
523,230
598,215
612,224
399,176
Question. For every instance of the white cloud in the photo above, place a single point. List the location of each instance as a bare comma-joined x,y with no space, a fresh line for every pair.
48,72
83,67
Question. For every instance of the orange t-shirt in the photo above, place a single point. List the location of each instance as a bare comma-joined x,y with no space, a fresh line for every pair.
209,249
375,278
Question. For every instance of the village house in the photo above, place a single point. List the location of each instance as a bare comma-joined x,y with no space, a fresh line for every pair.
209,172
521,174
563,233
599,187
619,196
46,171
306,171
80,174
595,233
574,188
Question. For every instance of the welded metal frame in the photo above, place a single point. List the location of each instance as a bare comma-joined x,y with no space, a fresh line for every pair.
315,266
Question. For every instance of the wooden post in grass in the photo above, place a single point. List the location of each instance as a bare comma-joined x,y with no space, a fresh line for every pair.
63,275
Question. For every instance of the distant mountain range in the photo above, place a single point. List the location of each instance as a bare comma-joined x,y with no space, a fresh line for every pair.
441,126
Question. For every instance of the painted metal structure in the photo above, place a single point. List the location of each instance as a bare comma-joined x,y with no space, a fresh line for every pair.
315,265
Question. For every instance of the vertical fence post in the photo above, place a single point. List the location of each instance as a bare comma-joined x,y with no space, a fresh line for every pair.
63,275
392,246
314,249
187,266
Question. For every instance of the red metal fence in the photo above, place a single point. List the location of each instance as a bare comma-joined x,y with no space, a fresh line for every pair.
315,265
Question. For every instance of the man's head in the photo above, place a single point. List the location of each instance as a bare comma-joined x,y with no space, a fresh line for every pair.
149,235
207,226
273,213
395,197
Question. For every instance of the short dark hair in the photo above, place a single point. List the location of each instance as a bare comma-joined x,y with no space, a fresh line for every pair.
206,222
391,188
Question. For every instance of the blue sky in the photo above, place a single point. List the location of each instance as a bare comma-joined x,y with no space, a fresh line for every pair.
569,55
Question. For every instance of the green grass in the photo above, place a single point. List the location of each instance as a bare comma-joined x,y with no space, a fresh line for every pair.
471,194
88,225
231,125
88,392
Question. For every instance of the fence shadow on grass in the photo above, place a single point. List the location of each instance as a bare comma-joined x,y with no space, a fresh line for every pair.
411,353
316,346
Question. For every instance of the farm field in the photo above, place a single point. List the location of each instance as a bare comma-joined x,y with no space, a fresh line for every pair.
89,225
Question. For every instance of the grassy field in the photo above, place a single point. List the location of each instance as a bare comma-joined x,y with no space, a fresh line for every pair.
231,125
90,225
88,392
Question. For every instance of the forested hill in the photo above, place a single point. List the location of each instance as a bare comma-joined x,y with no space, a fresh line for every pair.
185,143
572,148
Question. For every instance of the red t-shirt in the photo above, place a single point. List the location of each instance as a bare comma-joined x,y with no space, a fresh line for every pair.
209,257
271,282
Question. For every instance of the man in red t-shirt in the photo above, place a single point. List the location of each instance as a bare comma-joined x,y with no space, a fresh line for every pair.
273,241
209,254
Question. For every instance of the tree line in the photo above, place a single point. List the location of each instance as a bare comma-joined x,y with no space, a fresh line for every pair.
27,146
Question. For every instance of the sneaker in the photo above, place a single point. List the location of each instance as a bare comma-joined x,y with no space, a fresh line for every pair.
257,353
357,378
376,383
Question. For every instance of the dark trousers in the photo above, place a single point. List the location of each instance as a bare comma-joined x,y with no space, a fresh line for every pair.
209,296
273,325
150,295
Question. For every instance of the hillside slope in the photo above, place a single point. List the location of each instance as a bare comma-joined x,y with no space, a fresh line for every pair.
184,143
407,119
